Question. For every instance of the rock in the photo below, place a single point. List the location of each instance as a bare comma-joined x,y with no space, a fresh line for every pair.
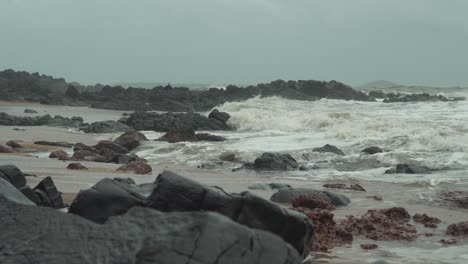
48,194
30,111
221,116
227,156
76,166
176,193
81,146
458,229
330,149
113,147
88,155
447,242
313,201
55,144
11,193
59,154
382,224
458,198
137,167
409,169
124,159
131,139
268,186
13,144
179,135
376,197
369,246
359,164
108,126
423,97
288,195
13,175
372,150
5,149
60,121
427,221
209,137
140,236
273,162
354,187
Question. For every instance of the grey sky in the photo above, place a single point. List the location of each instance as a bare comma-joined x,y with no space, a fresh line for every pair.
238,41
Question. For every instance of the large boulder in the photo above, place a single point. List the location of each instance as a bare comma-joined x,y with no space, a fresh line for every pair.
109,126
287,195
273,162
42,235
11,193
221,116
131,139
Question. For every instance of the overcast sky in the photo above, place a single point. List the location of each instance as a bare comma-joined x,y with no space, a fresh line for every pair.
238,41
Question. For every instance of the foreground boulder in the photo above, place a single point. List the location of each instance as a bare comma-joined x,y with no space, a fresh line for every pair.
11,193
109,126
140,236
131,139
273,162
287,195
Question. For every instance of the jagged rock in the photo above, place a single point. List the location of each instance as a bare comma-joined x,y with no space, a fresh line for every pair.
59,154
273,162
109,126
330,149
372,150
140,236
48,194
13,175
227,156
30,111
55,144
137,167
76,166
221,116
131,139
13,144
287,195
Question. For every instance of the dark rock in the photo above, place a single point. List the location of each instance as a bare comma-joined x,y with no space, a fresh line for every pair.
268,186
276,185
383,224
313,201
11,193
424,97
372,150
288,195
354,187
76,166
13,175
88,155
447,242
13,144
458,198
48,194
9,120
109,126
81,146
124,159
330,149
273,162
5,149
30,111
59,154
458,229
55,144
427,221
113,147
377,94
140,236
176,193
409,169
227,156
179,135
209,137
221,116
137,167
131,139
369,246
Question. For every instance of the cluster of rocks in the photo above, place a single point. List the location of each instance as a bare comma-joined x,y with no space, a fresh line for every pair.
421,97
188,134
59,121
173,220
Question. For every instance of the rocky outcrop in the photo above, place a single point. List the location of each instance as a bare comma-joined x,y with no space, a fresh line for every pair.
109,126
46,120
329,149
287,195
141,235
273,162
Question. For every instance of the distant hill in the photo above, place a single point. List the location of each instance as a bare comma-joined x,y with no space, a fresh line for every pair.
379,84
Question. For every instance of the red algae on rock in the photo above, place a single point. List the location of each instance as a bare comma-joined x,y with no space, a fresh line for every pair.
354,187
313,201
427,221
458,229
384,224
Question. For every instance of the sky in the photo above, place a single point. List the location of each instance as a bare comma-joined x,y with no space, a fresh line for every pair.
417,42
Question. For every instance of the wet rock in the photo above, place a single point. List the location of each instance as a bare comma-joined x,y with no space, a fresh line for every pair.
5,149
113,147
109,126
176,193
329,149
427,221
383,224
408,169
140,236
30,111
124,159
458,198
87,155
448,242
13,175
48,194
359,164
209,137
54,144
131,139
288,195
423,97
137,167
375,197
76,166
59,121
458,229
354,187
11,193
81,146
273,162
369,246
372,150
179,135
221,116
59,154
313,201
13,144
227,156
268,186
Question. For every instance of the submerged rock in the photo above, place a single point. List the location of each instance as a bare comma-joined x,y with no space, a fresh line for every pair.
227,156
330,149
273,162
287,195
369,246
